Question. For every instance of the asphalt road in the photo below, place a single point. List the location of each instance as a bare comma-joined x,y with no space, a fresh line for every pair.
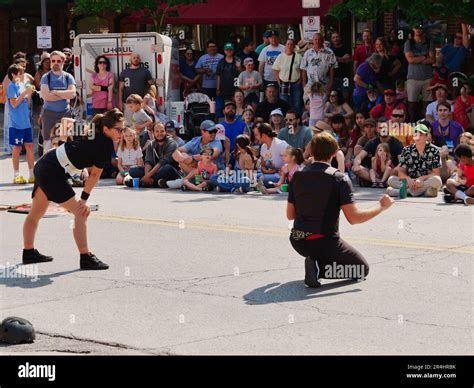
214,273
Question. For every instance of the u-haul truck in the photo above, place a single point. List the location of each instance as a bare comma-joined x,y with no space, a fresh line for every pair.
158,53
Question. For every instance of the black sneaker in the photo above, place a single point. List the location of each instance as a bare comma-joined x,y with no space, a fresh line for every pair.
311,278
33,256
162,184
91,262
449,198
184,188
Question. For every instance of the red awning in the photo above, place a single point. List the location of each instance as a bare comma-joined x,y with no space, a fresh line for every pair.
241,12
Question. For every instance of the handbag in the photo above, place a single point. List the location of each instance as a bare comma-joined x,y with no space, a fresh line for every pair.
285,86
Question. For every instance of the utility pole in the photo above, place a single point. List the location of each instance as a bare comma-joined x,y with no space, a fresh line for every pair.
44,20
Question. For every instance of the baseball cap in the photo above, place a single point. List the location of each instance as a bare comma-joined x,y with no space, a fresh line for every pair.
272,33
228,46
207,150
248,60
230,102
67,50
422,128
370,122
276,112
172,125
208,125
371,88
266,34
419,26
389,92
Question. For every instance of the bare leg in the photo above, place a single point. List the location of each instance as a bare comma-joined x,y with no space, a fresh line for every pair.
363,173
30,155
38,208
80,225
16,158
386,174
452,186
373,178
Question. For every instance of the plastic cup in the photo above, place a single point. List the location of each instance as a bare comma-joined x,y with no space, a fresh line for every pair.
284,187
136,183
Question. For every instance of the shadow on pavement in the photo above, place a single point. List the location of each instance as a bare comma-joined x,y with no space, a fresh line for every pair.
294,291
10,276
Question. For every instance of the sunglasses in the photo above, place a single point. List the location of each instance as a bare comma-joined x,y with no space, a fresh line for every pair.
213,132
398,116
390,94
102,63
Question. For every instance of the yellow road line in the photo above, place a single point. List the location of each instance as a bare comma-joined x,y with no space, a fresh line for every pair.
280,233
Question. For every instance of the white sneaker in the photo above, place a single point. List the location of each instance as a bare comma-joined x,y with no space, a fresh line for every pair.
431,192
176,184
393,192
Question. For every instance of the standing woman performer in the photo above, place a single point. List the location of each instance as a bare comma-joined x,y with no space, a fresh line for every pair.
315,197
51,174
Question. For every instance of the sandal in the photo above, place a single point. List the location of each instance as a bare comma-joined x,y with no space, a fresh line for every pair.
375,185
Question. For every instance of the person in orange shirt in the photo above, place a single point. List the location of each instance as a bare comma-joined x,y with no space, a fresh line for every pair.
399,129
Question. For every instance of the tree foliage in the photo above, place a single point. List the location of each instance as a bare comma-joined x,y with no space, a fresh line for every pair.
155,9
415,11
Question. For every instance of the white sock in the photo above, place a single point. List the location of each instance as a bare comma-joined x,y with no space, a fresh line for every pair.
461,195
16,173
31,173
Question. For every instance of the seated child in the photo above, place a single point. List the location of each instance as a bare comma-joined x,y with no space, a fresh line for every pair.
129,154
463,187
201,175
293,158
381,166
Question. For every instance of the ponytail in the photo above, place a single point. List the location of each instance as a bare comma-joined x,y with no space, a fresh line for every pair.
108,119
297,153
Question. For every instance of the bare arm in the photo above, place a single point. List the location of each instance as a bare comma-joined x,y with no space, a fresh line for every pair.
290,211
261,67
93,179
354,215
465,35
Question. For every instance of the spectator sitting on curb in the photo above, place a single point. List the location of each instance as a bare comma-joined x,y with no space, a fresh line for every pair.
189,154
159,164
463,188
129,154
199,178
420,166
362,162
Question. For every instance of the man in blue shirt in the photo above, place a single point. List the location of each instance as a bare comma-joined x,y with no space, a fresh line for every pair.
57,88
233,127
189,154
207,65
453,55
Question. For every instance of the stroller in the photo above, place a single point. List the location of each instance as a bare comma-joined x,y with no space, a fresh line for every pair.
197,109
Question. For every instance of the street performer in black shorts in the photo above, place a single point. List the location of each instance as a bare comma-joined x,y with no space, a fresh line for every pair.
315,196
52,172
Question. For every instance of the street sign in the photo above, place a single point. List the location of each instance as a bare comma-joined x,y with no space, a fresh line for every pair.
311,25
310,3
43,37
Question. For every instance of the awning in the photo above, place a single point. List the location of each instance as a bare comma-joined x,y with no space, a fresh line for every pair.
241,12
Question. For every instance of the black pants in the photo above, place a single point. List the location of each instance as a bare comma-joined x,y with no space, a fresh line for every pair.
330,255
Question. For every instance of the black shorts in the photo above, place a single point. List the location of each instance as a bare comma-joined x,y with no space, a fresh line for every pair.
52,179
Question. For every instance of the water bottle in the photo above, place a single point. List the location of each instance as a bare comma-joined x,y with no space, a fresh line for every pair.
403,189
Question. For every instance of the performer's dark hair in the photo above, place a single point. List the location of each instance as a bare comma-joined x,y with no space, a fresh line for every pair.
108,119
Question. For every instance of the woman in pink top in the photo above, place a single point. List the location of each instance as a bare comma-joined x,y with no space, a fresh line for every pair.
102,86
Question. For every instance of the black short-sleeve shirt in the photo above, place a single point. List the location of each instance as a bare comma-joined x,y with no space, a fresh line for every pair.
396,148
88,153
318,192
